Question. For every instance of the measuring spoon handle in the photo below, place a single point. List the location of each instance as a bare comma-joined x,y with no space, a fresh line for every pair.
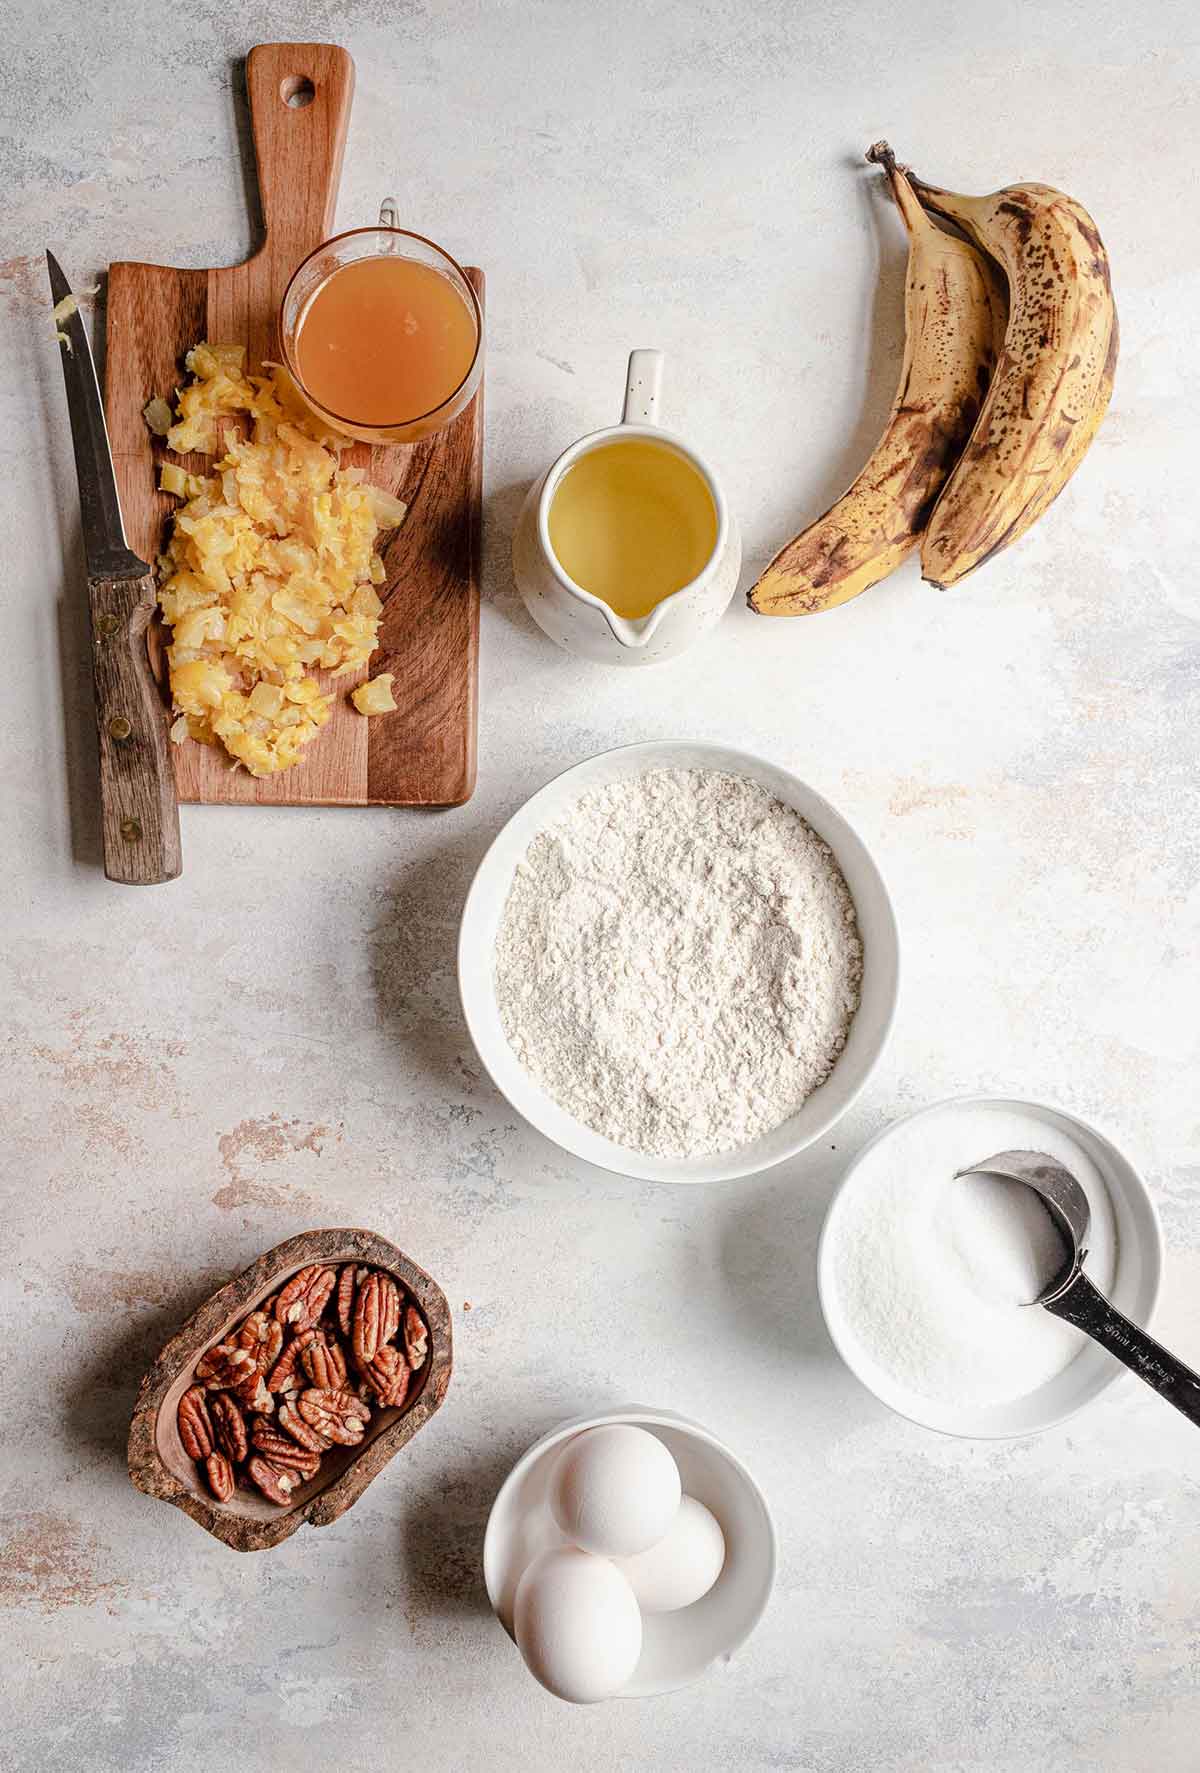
1085,1306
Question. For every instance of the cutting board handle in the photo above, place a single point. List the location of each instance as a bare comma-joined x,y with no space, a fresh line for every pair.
300,96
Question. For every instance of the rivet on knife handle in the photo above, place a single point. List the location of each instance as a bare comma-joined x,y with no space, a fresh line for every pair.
138,810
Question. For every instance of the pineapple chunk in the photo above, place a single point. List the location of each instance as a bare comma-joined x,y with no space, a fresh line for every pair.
390,512
173,479
157,415
198,684
266,699
375,696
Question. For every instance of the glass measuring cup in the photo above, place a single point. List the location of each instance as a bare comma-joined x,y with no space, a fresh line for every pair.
384,241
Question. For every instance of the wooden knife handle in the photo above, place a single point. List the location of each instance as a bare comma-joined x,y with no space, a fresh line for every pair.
300,96
139,813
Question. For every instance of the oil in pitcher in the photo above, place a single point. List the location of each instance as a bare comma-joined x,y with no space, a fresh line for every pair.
632,522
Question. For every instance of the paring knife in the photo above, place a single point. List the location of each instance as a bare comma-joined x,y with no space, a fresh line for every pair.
139,812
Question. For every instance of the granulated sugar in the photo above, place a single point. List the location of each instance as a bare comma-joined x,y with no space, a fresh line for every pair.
932,1271
678,963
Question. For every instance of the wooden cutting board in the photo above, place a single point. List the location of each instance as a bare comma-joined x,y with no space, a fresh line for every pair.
424,753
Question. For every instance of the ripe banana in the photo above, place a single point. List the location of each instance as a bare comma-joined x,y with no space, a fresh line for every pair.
954,315
1052,383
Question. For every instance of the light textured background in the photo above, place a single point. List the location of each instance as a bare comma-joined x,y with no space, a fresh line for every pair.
274,1042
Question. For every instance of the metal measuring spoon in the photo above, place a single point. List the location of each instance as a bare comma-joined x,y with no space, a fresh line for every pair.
1071,1296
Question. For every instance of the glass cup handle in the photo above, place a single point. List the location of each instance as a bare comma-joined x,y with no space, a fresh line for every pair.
643,388
389,217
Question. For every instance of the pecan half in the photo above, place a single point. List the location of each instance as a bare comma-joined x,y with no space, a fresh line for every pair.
339,1415
219,1473
302,1432
324,1363
348,1279
416,1337
376,1316
225,1365
276,1486
254,1395
303,1299
388,1376
229,1425
263,1337
195,1428
283,1375
284,1454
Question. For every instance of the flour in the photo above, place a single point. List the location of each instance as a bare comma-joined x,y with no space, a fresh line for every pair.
678,962
933,1272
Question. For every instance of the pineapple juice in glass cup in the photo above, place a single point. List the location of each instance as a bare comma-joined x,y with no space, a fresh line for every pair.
382,333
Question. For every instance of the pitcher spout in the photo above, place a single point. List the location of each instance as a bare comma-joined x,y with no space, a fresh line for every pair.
632,631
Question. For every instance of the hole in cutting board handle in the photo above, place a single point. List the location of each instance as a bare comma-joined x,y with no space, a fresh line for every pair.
297,91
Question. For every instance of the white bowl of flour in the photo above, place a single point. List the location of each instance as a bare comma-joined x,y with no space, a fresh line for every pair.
926,1277
678,962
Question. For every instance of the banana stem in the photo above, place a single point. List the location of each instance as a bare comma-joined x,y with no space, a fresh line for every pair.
880,154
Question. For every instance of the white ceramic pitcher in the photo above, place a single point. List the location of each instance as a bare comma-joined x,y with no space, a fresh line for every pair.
585,624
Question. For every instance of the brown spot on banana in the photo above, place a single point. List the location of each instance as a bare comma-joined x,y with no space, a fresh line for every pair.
1021,212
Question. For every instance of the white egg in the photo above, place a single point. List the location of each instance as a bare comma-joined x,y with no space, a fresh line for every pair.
683,1566
614,1490
577,1625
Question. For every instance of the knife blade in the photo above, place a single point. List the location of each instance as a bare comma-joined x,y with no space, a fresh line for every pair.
139,811
109,555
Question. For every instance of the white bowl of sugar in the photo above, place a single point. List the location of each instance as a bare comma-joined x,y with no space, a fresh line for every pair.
925,1278
787,863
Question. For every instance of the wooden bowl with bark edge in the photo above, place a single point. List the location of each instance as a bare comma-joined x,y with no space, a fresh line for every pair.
248,1522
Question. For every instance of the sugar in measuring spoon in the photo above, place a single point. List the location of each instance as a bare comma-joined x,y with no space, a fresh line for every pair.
1068,1293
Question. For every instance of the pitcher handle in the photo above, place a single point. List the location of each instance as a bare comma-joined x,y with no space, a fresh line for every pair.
643,388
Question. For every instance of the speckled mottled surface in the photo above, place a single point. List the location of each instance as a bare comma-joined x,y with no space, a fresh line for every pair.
192,1073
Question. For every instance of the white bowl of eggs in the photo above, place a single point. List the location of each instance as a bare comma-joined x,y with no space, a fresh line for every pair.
625,1553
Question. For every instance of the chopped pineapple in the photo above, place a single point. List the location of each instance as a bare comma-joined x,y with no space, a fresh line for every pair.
375,696
157,414
61,314
271,568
